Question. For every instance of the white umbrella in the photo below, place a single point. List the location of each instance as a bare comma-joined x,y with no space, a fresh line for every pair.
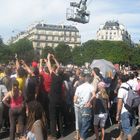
107,69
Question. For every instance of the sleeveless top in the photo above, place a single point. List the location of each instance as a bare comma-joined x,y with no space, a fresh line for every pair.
16,102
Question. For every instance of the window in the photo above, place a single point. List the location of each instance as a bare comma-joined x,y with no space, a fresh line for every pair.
67,33
38,36
102,37
43,37
38,44
56,38
72,39
73,33
49,37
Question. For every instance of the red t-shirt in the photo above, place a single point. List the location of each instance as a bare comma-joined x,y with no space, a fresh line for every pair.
46,81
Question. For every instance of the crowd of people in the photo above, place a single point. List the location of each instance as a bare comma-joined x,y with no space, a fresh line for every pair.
39,101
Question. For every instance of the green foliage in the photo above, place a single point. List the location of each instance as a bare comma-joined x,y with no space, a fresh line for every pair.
77,56
46,50
114,51
5,54
1,42
63,53
24,50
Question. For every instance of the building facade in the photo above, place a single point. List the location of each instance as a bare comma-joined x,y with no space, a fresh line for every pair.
43,35
113,31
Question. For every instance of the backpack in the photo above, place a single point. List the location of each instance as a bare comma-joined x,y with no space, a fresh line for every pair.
133,99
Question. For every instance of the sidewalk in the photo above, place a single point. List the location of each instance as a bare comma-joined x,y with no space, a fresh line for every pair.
70,136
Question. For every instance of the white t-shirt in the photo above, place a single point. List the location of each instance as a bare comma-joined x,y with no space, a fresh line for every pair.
84,93
133,83
122,94
3,91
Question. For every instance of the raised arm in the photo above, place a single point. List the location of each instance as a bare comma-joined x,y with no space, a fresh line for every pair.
51,69
40,65
56,62
17,64
27,68
49,63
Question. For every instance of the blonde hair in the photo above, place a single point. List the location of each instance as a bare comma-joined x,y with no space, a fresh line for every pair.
103,94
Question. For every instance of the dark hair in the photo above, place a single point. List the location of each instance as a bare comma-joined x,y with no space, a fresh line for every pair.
21,72
8,71
15,82
97,71
124,78
136,73
88,78
131,76
36,112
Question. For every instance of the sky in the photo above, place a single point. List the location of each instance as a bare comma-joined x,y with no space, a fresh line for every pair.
17,15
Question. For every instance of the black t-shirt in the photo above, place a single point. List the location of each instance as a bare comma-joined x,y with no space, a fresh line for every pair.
100,105
56,88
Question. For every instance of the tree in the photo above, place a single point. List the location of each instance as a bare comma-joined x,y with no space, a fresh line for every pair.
47,50
63,53
24,50
5,54
77,56
1,41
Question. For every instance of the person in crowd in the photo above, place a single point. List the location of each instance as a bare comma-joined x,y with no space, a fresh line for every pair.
1,71
79,81
123,114
83,95
68,113
45,88
138,91
36,122
21,78
56,97
101,107
132,82
32,83
97,77
3,91
14,100
6,78
6,81
76,77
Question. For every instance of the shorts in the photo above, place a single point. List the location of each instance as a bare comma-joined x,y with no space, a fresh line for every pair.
127,122
100,119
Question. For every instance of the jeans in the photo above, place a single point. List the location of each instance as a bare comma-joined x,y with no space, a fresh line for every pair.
16,115
85,118
127,122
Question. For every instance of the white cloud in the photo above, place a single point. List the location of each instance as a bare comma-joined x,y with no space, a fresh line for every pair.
19,14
